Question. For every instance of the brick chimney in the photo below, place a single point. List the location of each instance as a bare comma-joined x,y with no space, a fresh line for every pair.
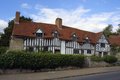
58,22
17,17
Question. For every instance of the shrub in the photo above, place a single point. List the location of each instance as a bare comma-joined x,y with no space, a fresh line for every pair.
37,61
110,59
96,58
3,50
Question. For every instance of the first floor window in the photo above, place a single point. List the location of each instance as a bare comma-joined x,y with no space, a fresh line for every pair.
103,45
76,51
89,51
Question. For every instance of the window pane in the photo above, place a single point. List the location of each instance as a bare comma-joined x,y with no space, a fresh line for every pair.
30,49
82,51
76,51
55,35
89,51
39,34
102,44
57,50
45,48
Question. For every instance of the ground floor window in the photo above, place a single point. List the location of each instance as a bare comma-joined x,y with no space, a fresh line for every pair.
45,48
76,51
100,54
88,51
82,51
105,53
31,49
57,50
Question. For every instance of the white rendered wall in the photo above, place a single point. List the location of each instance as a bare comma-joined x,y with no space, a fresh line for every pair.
62,47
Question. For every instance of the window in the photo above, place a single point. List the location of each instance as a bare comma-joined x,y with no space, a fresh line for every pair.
74,37
89,51
31,49
86,40
100,54
45,48
57,51
55,34
82,51
105,53
76,51
39,34
102,44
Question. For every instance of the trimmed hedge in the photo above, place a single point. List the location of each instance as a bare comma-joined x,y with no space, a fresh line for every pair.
96,58
36,61
110,59
3,50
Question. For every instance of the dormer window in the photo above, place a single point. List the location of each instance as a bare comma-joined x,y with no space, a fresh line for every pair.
39,33
55,34
86,40
74,37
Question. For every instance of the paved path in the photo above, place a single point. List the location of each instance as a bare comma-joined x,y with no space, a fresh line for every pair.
57,74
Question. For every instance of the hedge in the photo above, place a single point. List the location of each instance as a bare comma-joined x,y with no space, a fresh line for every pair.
36,61
110,59
96,58
3,50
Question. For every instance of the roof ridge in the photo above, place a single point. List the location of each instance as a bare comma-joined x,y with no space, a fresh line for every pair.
62,26
78,29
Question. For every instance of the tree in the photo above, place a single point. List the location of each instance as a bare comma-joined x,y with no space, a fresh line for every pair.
118,30
108,30
5,37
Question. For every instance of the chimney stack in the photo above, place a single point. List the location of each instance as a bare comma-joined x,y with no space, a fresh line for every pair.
58,22
17,17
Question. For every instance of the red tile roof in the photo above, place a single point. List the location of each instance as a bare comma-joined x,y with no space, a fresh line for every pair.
29,28
114,40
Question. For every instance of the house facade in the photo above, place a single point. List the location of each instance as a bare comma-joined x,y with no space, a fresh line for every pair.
57,38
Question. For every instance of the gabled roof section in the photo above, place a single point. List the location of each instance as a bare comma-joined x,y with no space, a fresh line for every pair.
29,29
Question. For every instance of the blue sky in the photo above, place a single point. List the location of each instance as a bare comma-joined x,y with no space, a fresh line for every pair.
90,15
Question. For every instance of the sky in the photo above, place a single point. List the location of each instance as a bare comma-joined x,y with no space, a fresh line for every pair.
89,15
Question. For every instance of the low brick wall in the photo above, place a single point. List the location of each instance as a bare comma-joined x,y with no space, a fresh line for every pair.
99,64
17,71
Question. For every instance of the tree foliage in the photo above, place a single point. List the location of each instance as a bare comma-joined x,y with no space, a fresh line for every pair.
5,37
115,49
108,30
118,30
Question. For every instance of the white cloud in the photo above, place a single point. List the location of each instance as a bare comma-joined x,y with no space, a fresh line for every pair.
79,18
3,24
25,5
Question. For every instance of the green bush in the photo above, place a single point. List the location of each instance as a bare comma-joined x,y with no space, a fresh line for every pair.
96,58
3,50
37,61
110,59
